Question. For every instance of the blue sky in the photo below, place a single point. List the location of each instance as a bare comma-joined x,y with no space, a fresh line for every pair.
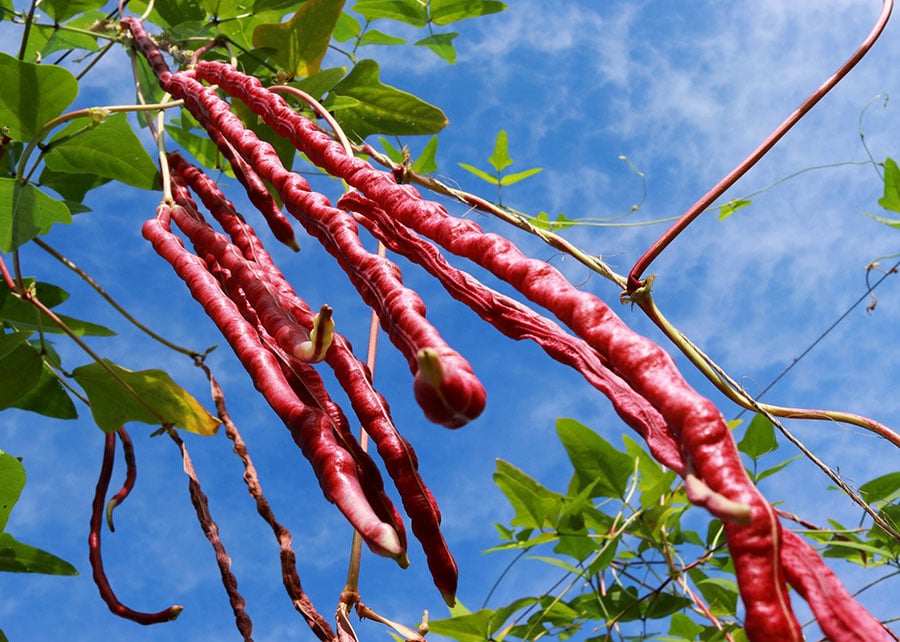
684,90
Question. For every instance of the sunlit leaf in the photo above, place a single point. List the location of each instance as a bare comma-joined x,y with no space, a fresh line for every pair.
32,95
375,37
12,481
534,504
109,149
768,472
62,10
759,438
113,406
383,109
299,44
444,12
320,83
347,28
515,177
441,44
483,175
891,199
426,162
881,490
16,557
26,212
499,158
412,12
732,206
595,460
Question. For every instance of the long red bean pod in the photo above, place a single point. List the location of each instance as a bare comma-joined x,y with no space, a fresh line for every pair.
334,467
96,559
370,407
445,386
755,546
841,618
130,477
520,322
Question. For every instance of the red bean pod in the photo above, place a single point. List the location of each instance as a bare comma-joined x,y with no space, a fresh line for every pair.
130,477
519,322
96,558
841,618
455,396
370,408
334,467
249,294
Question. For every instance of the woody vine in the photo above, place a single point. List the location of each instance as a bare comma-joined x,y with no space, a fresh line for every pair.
229,86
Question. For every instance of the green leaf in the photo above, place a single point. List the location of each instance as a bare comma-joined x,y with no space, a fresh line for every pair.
49,398
510,179
383,109
9,341
109,149
595,460
32,95
25,316
426,163
20,372
113,406
441,44
891,199
411,12
469,627
61,10
721,594
12,481
535,505
499,158
732,206
299,44
375,37
881,490
26,212
392,152
321,82
768,472
444,12
759,438
16,557
684,627
72,187
347,28
493,180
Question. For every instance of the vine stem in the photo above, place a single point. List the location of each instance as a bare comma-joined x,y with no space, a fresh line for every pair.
109,299
634,277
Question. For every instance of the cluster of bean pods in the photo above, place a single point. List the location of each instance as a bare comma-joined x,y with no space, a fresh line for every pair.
265,322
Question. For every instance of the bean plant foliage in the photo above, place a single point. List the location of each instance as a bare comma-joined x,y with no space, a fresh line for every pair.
243,92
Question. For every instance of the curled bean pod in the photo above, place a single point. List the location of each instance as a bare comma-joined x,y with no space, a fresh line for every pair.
96,559
130,477
334,467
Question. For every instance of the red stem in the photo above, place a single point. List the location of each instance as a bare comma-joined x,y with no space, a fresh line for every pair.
634,277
